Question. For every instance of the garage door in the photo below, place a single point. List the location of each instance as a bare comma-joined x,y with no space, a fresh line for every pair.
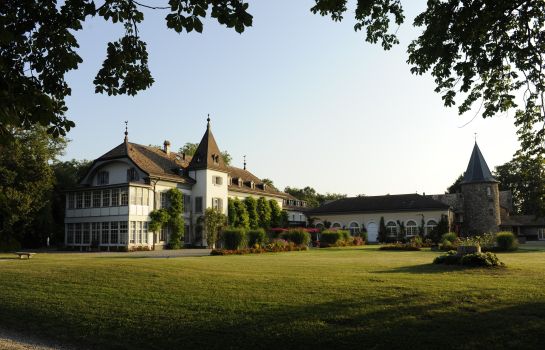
372,232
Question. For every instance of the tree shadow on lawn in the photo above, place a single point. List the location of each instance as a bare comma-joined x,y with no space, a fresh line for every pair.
426,269
384,323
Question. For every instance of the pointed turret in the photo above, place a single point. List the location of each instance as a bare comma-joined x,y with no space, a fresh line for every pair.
208,155
477,169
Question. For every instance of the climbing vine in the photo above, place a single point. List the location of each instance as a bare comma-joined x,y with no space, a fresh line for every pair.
172,216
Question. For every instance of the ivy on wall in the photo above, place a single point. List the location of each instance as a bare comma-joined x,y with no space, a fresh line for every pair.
172,216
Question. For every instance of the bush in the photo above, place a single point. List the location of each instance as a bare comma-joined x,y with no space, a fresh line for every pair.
400,246
234,238
506,241
329,237
297,236
481,259
256,237
470,260
363,236
449,237
357,241
345,235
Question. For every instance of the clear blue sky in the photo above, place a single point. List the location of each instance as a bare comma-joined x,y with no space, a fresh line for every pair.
306,99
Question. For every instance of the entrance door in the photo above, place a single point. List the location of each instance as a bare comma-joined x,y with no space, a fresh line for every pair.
372,232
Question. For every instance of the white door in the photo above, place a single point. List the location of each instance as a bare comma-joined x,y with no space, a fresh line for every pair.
372,232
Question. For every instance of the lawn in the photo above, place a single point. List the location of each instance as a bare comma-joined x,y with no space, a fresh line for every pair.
329,298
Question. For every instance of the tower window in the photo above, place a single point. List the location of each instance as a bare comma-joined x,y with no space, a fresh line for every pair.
489,191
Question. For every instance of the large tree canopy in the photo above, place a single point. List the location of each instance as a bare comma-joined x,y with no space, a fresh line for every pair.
487,54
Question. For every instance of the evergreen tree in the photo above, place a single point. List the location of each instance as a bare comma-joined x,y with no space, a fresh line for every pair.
242,217
231,212
382,234
276,213
251,207
263,213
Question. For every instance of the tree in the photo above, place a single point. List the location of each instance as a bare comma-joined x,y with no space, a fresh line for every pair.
382,233
311,197
214,221
524,176
487,52
242,217
263,213
171,216
284,218
456,187
268,182
26,182
190,148
231,212
251,207
276,213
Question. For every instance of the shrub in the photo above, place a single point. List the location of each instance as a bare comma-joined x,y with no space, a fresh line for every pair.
329,237
358,241
297,236
449,237
481,259
449,259
256,237
506,241
399,246
363,235
345,235
234,238
448,246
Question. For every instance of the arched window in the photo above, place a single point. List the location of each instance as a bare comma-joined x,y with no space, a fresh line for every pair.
336,225
411,229
391,229
103,177
320,226
354,228
132,175
430,226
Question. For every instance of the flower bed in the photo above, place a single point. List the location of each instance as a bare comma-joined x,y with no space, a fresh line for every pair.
470,260
400,246
276,246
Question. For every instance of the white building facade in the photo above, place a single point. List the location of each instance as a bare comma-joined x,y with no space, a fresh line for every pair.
110,210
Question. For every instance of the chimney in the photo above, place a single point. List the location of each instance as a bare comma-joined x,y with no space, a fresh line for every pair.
183,156
166,147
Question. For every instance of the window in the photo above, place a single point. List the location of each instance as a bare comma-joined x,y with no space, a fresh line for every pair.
163,234
124,197
103,178
336,225
140,232
252,185
187,203
123,232
217,180
145,196
411,229
105,233
217,203
354,228
198,205
79,200
145,232
71,201
164,199
87,200
430,226
115,197
86,233
489,191
77,234
541,234
133,232
97,199
391,228
106,198
114,238
95,232
70,234
239,182
132,175
138,196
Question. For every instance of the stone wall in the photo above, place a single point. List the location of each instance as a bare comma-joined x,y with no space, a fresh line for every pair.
481,208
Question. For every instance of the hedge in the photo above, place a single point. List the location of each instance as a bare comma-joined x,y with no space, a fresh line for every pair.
506,241
256,237
297,236
234,238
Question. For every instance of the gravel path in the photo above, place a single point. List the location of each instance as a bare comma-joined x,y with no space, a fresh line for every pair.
17,341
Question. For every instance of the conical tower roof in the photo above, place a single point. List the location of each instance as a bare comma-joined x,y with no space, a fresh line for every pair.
477,169
208,155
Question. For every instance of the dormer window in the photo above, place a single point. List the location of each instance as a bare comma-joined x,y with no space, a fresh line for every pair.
240,182
215,158
230,181
252,185
132,175
103,177
264,186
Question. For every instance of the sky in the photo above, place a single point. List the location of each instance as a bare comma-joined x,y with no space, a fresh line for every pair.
306,99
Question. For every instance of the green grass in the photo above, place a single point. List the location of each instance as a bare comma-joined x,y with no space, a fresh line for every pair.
329,298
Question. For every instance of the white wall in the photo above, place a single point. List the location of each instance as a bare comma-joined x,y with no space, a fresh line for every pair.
117,170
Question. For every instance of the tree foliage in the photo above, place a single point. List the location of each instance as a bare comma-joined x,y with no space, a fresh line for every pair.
456,186
313,198
214,221
382,233
276,213
238,214
263,213
251,208
171,216
524,176
26,183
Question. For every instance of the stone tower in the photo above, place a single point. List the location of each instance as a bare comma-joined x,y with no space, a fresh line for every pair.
481,197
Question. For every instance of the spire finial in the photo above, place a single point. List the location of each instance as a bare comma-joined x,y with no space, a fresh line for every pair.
208,121
126,130
475,137
244,162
